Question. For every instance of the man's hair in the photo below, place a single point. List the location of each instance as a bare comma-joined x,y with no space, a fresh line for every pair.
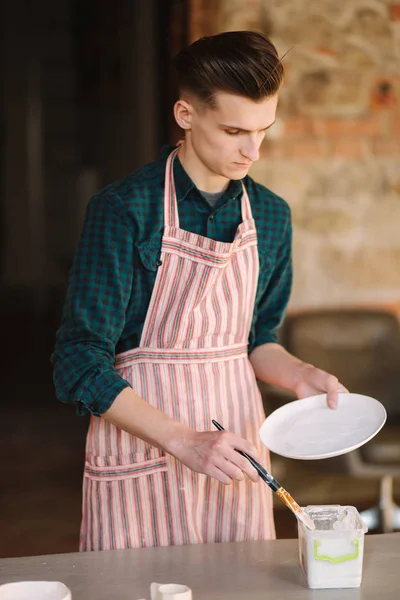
245,63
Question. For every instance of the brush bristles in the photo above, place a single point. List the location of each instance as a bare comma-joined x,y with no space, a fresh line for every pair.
306,520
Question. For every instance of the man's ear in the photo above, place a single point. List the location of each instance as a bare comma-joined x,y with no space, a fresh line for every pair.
183,114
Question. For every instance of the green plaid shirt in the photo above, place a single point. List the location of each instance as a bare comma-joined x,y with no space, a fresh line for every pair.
115,267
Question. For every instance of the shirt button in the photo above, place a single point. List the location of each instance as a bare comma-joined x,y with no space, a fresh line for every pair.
159,263
211,218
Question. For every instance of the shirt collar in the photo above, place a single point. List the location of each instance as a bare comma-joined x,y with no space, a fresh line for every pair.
184,185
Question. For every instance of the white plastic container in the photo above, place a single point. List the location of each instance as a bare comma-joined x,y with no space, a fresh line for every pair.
331,556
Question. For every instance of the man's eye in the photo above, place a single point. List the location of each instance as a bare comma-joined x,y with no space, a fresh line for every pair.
236,132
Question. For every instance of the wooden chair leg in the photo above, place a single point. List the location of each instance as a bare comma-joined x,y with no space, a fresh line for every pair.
386,515
386,503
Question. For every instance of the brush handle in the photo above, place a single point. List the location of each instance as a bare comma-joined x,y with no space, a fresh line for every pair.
263,473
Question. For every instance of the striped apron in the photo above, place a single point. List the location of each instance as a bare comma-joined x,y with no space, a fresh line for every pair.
192,363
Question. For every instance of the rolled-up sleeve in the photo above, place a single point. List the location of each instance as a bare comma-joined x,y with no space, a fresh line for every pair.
98,292
271,307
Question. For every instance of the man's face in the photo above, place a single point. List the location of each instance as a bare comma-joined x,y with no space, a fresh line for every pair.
227,138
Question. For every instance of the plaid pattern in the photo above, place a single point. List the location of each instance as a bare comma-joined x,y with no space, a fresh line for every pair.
115,267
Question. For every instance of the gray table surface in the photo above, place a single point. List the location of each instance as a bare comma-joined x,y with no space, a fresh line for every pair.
246,570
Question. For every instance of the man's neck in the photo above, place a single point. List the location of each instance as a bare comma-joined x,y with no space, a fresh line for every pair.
204,180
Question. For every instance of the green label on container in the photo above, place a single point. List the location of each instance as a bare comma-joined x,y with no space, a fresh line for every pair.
339,559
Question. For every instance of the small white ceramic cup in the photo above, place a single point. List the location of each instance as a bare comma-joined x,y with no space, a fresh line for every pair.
35,590
170,591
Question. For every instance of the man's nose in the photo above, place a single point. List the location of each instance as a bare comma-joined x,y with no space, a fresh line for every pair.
252,150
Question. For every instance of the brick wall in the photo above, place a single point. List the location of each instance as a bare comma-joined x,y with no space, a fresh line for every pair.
334,153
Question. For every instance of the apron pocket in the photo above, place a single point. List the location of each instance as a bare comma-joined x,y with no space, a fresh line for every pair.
125,471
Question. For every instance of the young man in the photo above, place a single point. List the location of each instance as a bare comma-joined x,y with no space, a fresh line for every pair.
180,280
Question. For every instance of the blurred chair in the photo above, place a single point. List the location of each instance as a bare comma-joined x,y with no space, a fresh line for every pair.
362,348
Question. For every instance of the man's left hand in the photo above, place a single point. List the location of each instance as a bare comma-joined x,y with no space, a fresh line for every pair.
312,381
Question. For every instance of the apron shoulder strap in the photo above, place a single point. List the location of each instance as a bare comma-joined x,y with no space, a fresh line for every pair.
171,217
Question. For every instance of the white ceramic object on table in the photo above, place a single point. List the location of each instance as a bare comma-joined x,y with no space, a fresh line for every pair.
308,429
170,591
35,590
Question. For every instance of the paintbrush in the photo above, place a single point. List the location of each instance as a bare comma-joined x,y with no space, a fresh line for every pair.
276,487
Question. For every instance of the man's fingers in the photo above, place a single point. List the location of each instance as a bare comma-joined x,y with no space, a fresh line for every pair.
216,454
219,475
230,461
229,469
244,445
243,464
332,391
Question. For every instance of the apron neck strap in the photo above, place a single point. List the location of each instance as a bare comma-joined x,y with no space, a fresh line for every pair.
171,218
246,207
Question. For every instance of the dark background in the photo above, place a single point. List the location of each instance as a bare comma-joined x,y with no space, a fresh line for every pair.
87,93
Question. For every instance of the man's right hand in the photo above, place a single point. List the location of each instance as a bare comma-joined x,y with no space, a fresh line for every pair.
210,452
214,453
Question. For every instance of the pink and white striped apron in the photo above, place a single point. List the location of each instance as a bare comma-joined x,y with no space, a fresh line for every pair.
192,363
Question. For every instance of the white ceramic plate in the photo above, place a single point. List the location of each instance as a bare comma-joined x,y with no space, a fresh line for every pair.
308,430
35,590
